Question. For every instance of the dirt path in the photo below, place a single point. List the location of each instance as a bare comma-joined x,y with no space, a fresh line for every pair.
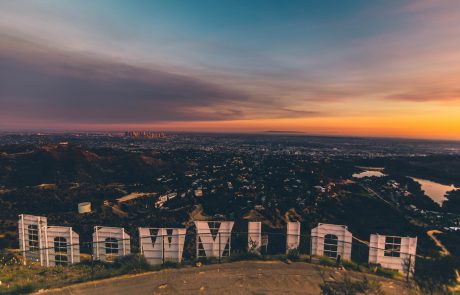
256,277
431,234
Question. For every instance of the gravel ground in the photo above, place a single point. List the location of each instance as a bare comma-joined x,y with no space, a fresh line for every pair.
253,277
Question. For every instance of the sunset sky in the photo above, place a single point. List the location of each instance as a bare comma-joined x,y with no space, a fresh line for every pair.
365,68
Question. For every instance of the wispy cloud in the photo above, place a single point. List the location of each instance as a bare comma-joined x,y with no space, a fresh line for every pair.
48,83
424,94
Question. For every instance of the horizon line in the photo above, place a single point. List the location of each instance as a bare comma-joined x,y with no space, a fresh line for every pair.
266,132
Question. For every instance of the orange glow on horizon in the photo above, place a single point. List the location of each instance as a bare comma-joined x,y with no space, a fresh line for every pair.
446,128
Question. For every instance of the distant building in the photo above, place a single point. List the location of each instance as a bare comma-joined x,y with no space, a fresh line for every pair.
144,134
133,196
84,207
164,198
259,207
320,189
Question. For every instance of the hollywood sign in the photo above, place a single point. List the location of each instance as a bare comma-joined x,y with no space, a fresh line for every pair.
58,245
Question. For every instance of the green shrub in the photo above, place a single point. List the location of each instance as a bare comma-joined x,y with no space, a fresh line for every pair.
326,261
171,264
244,256
131,264
385,272
346,286
293,254
280,257
20,289
351,265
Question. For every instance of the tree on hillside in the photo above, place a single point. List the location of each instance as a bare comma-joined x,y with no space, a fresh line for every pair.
452,204
436,275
